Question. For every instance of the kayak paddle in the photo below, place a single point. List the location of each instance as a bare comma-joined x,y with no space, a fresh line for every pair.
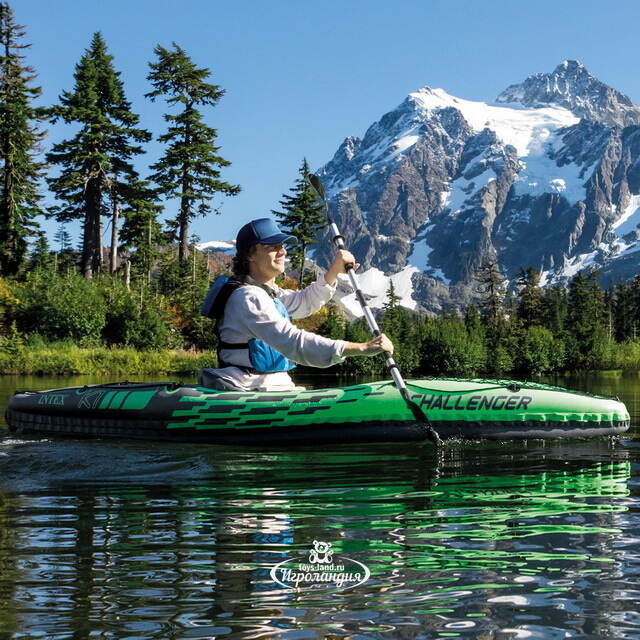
392,367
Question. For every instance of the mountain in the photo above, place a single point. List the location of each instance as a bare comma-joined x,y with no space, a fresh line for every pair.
226,246
547,176
571,86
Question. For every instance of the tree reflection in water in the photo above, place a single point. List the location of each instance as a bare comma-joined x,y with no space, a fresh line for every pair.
165,541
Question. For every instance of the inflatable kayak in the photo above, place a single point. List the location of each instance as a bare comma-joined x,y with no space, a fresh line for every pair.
373,412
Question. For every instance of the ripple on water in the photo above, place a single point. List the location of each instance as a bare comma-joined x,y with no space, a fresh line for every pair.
157,541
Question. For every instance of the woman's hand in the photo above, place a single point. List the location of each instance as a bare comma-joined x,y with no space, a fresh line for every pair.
376,345
343,261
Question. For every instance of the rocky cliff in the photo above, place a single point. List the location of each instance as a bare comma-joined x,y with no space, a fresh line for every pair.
548,176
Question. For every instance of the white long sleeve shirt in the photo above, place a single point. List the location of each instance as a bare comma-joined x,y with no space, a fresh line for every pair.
251,313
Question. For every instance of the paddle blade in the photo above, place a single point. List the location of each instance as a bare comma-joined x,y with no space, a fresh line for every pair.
317,185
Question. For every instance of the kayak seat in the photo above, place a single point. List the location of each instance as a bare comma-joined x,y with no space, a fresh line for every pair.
210,378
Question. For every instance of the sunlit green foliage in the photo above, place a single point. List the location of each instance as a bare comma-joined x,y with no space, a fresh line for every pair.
95,167
189,168
59,307
302,216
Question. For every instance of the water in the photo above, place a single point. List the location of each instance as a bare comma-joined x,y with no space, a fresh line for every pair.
488,540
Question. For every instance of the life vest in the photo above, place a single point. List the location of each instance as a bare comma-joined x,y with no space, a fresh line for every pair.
264,358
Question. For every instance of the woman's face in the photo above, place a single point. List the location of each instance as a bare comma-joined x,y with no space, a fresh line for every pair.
267,261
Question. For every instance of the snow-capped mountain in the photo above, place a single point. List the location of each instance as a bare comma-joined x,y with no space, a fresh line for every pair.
548,176
226,246
571,86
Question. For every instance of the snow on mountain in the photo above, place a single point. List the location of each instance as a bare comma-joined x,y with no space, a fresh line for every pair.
625,241
547,177
570,85
629,220
375,286
419,257
387,141
228,246
524,129
532,132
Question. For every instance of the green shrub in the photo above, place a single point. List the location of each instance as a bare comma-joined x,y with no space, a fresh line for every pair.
13,342
134,320
624,355
449,349
61,306
538,351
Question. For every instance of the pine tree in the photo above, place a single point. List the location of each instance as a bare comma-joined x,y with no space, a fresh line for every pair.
473,321
141,230
499,331
530,297
66,257
334,325
189,168
585,319
621,303
554,309
19,140
63,238
303,217
635,306
491,290
95,162
393,299
41,257
393,319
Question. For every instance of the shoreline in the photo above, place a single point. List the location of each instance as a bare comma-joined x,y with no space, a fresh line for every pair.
71,360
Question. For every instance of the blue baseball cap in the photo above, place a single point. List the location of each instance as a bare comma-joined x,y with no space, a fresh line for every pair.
260,231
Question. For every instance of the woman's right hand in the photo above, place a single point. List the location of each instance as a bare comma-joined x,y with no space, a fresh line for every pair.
376,345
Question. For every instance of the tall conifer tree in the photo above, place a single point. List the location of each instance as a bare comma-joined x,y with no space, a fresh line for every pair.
141,229
493,305
623,312
554,309
530,294
585,317
491,289
19,139
95,162
41,257
63,238
635,306
189,168
303,217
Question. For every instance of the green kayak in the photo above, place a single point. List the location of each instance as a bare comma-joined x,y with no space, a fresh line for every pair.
373,412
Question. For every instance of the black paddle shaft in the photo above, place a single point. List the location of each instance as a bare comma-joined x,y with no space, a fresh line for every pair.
394,370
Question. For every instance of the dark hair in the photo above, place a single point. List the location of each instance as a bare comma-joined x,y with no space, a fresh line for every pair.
240,265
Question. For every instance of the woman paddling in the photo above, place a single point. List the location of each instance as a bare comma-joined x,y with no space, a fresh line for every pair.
257,342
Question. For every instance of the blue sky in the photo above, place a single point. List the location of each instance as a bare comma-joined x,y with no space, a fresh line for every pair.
300,77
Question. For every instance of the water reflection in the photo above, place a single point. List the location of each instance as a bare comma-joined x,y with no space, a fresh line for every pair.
120,540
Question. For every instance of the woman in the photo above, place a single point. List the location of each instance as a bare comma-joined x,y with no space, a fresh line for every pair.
258,344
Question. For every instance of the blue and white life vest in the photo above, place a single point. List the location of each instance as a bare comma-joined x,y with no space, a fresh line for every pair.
263,357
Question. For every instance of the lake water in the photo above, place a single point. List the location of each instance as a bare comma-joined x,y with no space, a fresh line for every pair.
486,540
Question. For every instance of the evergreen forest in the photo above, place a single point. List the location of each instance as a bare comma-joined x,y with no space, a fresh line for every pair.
133,306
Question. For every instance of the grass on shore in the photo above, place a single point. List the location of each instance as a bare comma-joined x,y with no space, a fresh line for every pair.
64,359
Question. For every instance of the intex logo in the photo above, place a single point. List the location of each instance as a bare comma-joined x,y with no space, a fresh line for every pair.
52,399
320,568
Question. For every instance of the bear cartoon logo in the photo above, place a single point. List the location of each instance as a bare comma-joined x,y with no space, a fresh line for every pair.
321,553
